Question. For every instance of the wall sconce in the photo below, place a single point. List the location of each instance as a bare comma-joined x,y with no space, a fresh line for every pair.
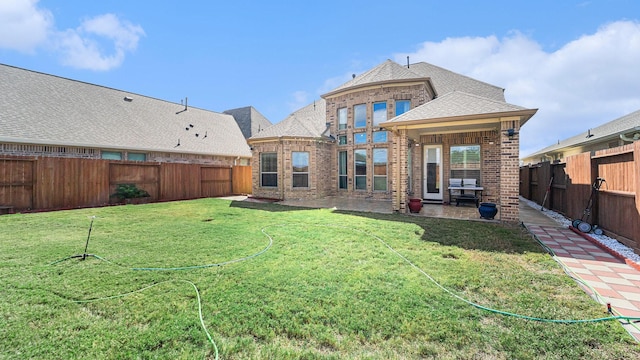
511,132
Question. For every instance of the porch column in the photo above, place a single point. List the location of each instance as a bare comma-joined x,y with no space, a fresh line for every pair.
509,170
399,184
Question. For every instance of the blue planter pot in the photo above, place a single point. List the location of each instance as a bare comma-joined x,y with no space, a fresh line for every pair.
487,210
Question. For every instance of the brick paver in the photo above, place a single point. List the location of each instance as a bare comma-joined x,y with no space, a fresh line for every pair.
612,279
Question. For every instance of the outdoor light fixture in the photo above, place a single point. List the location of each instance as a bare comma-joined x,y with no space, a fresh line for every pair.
511,132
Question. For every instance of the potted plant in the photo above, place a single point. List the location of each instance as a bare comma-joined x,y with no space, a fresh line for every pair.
415,205
130,194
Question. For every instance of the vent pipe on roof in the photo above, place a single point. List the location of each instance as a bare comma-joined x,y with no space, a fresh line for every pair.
353,76
589,134
185,105
407,61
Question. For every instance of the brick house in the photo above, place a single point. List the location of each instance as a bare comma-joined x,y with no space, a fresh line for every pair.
394,133
47,115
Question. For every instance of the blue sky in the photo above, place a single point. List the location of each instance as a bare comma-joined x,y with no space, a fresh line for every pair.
576,61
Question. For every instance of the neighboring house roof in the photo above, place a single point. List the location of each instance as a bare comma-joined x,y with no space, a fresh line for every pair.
627,125
37,108
456,104
249,120
446,81
308,122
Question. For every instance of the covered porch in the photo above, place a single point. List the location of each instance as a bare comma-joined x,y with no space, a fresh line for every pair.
479,143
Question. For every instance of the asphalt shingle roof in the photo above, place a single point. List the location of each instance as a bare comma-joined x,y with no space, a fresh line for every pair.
250,120
387,71
45,109
629,123
454,104
307,122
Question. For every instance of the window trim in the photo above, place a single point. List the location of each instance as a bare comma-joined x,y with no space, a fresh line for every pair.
262,172
386,164
343,159
299,173
342,120
355,170
355,113
378,122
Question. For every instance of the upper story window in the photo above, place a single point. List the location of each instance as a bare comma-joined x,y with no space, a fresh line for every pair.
342,139
402,106
360,138
379,136
269,169
342,118
300,162
379,113
360,115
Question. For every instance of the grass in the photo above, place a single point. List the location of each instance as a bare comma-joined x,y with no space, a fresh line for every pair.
328,287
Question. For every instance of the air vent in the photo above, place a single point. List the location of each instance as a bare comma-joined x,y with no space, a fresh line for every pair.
128,99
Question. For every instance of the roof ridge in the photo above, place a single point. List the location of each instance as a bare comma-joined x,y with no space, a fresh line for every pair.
459,74
102,86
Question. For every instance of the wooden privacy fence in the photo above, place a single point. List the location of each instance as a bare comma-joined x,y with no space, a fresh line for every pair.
616,207
48,183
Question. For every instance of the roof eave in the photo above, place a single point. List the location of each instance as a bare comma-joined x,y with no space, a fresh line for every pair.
524,115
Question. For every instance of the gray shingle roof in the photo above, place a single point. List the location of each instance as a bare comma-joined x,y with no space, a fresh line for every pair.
629,123
38,108
249,120
387,71
446,81
455,104
307,122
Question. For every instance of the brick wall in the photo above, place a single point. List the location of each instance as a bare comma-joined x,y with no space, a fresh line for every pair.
95,153
417,94
509,171
322,176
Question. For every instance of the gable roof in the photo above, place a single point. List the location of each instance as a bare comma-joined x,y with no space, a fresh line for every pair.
308,122
457,104
249,120
38,108
629,123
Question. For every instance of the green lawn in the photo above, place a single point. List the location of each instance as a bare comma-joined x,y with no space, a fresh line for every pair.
326,287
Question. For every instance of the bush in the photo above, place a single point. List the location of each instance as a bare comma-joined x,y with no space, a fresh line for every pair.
129,191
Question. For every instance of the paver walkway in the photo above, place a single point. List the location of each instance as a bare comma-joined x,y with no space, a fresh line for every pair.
613,281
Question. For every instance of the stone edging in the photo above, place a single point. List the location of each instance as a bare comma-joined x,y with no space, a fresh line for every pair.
614,253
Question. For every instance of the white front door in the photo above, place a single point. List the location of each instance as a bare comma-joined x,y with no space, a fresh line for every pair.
432,177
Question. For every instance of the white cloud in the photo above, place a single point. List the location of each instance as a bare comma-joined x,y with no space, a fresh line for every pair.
99,43
23,26
585,83
84,47
299,99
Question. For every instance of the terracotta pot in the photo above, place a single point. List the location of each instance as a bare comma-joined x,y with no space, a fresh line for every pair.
415,205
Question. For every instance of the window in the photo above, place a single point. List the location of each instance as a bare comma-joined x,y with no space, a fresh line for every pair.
361,169
111,155
342,170
342,118
380,169
465,162
300,162
379,113
136,156
360,138
269,169
379,136
402,106
342,139
360,116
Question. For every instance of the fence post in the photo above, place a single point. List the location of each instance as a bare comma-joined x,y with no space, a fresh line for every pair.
636,167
